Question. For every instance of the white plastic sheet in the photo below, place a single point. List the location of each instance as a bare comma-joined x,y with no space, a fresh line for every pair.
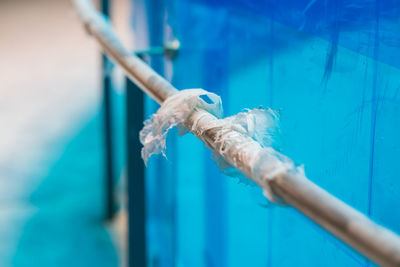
250,133
173,112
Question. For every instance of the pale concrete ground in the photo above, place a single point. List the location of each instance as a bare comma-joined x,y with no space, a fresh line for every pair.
48,79
50,138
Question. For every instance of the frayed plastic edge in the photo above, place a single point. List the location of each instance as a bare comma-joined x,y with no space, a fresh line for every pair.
173,112
250,133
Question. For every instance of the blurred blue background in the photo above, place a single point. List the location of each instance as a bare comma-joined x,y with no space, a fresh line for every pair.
330,68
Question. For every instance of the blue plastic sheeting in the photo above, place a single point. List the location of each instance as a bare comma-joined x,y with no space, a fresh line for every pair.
331,68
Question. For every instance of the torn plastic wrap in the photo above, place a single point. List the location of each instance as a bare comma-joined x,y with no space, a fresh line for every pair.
242,147
258,124
242,142
173,112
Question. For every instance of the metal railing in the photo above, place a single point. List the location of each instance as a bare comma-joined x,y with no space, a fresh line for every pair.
375,242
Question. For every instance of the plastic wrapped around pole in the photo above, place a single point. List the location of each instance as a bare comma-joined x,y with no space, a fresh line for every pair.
173,112
250,134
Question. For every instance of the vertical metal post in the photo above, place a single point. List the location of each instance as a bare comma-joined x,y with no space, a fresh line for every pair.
137,255
108,142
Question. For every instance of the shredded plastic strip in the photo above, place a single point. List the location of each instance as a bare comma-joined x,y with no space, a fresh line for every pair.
249,135
173,112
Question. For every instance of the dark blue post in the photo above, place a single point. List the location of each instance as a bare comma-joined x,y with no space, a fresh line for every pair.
137,255
108,144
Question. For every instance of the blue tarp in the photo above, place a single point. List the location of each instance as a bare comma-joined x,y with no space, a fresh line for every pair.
331,69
